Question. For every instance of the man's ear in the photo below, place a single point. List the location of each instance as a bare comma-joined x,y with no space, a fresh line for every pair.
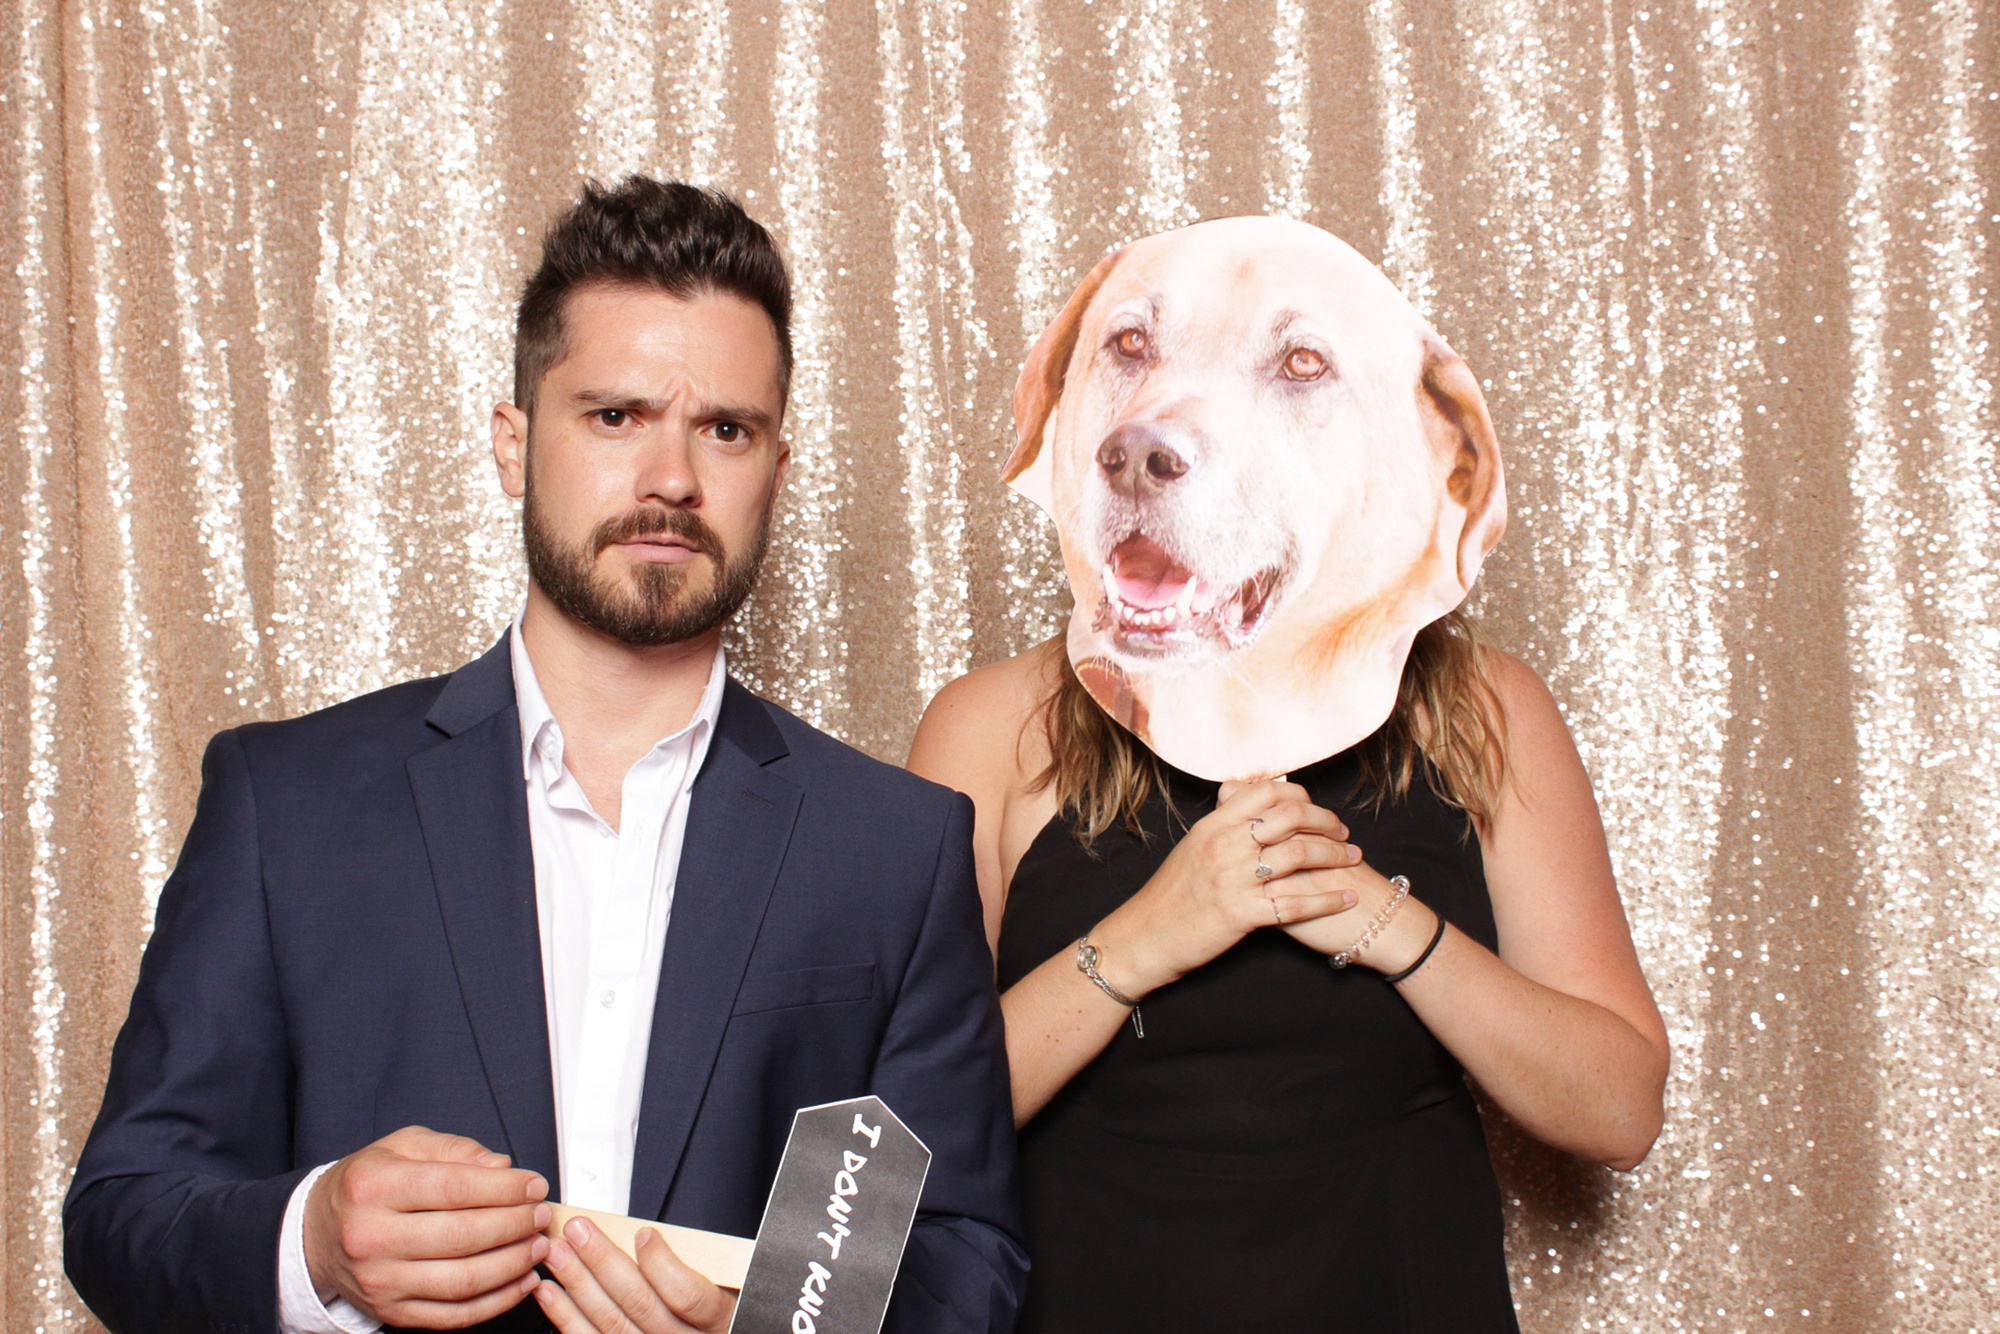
1461,432
1040,387
782,467
510,448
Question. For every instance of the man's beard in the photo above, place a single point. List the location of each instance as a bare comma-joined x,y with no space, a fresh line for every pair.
648,610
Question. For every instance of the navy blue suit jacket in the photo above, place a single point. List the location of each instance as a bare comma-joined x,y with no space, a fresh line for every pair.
348,945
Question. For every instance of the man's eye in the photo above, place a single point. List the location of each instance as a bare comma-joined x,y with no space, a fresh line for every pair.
1132,343
613,417
730,433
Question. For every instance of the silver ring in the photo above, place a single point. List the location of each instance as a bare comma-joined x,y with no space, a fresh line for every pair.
1263,870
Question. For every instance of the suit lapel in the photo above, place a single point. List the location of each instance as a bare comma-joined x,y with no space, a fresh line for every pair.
472,803
740,820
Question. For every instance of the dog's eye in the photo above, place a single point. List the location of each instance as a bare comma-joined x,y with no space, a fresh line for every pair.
1132,343
1302,363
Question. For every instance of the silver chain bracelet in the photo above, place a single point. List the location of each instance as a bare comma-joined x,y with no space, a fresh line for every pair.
1342,958
1086,963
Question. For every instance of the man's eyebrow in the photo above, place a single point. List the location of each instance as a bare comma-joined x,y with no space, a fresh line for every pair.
607,399
755,418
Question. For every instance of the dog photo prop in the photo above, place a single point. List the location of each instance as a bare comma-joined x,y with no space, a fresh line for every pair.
1267,472
833,1232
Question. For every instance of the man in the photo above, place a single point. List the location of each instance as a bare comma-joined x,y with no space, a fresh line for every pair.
584,917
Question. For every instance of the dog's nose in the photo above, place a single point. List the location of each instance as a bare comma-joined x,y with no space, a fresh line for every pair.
1138,461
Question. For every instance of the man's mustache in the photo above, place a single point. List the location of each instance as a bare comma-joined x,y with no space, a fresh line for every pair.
652,522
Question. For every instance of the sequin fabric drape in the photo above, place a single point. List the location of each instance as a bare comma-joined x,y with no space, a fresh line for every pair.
1724,266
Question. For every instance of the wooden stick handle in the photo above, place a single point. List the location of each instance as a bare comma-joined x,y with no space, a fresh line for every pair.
721,1258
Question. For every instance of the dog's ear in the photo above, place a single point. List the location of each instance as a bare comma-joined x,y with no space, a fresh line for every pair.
1039,387
1456,421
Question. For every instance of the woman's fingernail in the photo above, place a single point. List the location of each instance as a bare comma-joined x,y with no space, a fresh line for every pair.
544,1292
559,1255
577,1231
646,1238
540,1250
1350,897
543,1216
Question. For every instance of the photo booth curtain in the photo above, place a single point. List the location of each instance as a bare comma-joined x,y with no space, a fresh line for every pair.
1723,266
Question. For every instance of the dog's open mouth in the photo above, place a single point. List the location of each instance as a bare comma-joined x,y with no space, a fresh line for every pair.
1158,607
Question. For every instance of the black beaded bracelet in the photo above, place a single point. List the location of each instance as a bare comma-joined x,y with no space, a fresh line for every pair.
1394,978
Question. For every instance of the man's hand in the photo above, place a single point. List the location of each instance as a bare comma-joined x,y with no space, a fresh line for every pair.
603,1292
426,1230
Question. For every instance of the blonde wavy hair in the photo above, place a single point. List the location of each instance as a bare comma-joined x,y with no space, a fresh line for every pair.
1446,725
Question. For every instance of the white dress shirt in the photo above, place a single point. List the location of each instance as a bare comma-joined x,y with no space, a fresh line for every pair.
602,898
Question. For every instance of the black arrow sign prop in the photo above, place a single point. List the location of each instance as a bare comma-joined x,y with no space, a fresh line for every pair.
836,1223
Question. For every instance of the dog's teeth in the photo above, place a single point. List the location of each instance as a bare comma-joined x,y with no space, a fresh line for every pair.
1184,604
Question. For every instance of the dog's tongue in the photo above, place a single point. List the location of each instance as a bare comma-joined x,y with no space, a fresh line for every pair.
1146,576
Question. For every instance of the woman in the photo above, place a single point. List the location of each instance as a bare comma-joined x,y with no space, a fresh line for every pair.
1291,1146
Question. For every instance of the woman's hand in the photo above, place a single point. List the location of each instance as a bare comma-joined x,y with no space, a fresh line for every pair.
1394,947
1262,858
1247,865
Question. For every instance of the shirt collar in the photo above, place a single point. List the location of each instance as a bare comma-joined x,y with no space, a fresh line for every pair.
537,718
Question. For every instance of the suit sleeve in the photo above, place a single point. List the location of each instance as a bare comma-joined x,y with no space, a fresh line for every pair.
943,1068
172,1221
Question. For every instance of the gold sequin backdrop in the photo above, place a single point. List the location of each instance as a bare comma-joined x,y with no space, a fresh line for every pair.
1724,266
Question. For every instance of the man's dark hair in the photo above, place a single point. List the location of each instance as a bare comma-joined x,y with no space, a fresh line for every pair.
676,238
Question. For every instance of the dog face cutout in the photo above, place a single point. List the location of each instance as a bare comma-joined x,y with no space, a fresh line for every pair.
1267,473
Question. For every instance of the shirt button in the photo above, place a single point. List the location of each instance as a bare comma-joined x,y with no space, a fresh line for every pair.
608,999
589,1175
606,831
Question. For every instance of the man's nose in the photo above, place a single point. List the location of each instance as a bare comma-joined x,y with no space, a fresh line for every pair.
1138,462
667,470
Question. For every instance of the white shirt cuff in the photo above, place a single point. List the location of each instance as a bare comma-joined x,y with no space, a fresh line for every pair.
300,1310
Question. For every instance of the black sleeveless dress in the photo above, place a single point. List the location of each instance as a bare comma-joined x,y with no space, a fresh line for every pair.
1288,1149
